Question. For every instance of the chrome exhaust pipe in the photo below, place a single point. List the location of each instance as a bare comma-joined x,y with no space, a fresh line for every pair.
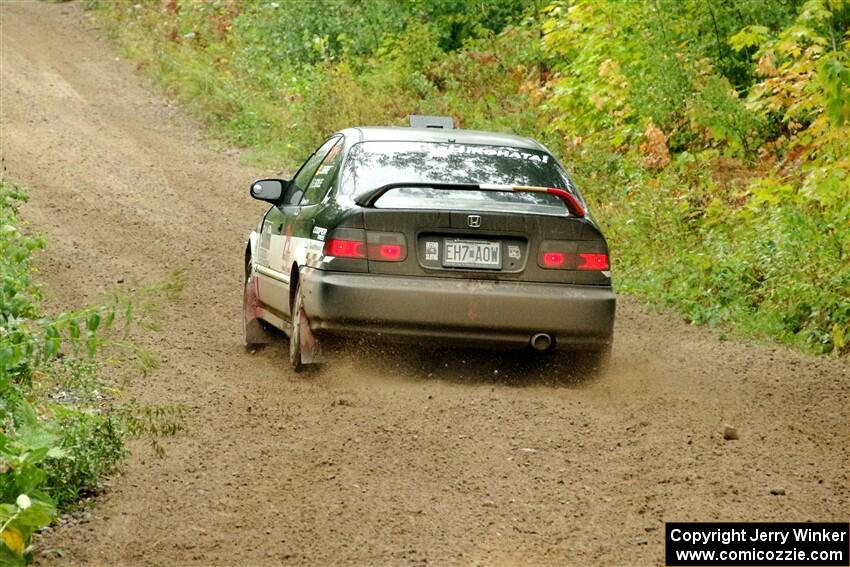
541,341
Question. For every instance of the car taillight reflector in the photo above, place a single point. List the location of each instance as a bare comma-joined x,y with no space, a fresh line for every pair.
345,248
593,262
386,246
553,259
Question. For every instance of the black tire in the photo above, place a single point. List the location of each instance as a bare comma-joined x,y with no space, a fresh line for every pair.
297,319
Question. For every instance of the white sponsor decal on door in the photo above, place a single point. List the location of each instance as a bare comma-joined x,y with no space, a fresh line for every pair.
319,232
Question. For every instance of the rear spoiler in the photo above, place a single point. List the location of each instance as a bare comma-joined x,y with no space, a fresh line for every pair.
575,207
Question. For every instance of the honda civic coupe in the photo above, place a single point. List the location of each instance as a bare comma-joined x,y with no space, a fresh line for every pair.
429,234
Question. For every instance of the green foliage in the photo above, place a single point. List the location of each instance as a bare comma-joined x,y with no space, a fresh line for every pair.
724,238
711,136
94,447
835,77
251,69
18,290
24,508
717,109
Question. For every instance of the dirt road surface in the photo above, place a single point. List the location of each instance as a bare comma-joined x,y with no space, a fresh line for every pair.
401,458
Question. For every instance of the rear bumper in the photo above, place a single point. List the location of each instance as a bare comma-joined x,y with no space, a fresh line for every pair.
465,311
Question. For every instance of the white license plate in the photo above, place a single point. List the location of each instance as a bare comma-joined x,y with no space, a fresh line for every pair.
472,254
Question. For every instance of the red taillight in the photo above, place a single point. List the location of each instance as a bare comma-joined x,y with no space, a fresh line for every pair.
387,252
345,248
593,262
386,246
553,259
568,261
378,246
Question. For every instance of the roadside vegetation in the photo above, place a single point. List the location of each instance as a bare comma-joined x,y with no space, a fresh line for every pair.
63,418
713,137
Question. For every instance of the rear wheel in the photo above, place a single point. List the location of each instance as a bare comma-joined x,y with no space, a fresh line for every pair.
298,320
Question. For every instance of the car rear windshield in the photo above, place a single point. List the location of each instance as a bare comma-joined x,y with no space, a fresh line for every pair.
374,164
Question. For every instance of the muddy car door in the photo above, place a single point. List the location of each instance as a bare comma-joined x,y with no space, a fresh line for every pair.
284,244
308,233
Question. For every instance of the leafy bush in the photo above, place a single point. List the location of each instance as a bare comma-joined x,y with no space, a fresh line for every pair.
24,508
61,432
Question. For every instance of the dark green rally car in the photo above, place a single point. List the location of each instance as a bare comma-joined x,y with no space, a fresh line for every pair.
466,237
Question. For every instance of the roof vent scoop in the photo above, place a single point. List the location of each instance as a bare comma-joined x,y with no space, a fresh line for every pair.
442,122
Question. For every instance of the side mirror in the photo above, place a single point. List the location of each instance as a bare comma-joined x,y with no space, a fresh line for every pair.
270,190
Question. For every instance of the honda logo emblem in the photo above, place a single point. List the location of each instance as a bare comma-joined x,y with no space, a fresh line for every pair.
474,221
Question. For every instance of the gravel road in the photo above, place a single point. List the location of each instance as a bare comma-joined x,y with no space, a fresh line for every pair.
397,457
